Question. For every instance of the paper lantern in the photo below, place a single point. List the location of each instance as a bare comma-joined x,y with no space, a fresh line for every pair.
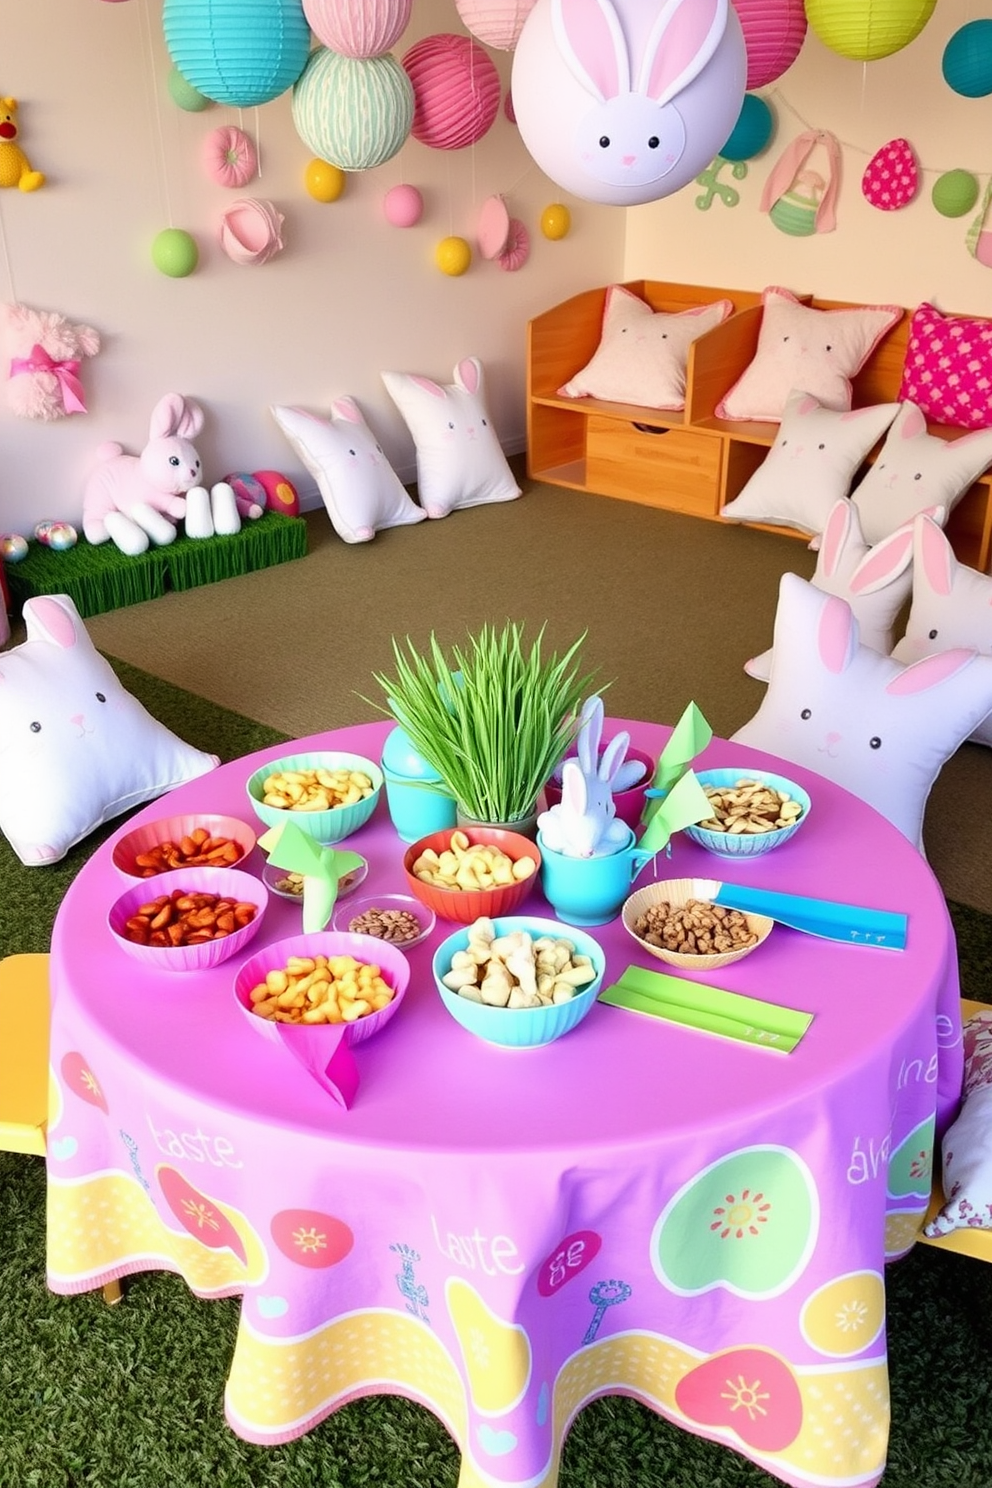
954,193
183,95
774,32
358,28
498,23
868,29
967,60
240,52
752,131
456,90
354,112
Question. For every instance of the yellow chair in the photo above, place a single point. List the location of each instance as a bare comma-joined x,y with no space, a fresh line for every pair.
977,1243
24,1022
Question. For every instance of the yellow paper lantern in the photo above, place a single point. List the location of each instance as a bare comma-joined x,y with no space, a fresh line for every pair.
453,256
868,29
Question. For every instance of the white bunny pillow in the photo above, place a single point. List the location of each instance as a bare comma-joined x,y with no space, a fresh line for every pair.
875,582
881,730
359,487
76,749
951,606
915,472
460,462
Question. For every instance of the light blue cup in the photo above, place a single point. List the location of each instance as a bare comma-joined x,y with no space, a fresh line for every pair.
417,807
590,891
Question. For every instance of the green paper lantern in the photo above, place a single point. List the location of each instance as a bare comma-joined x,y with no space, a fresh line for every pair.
967,60
184,95
868,29
752,131
355,112
954,193
174,252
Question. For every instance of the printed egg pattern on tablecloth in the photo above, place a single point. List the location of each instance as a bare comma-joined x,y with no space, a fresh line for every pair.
892,178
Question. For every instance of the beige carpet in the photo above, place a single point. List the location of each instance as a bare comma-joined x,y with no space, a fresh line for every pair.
672,607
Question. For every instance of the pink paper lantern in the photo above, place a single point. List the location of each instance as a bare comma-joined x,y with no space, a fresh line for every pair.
774,31
358,28
498,23
456,91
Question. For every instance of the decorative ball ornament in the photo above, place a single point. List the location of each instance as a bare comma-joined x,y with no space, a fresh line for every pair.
556,221
13,547
174,252
954,193
354,112
324,182
280,494
497,23
229,156
967,60
59,536
184,95
453,256
752,131
403,206
774,32
892,177
358,28
868,29
456,88
239,52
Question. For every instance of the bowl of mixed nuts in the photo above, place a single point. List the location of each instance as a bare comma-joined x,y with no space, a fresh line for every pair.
673,920
398,919
754,811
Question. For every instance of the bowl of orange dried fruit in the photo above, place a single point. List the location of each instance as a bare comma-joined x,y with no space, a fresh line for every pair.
189,919
197,840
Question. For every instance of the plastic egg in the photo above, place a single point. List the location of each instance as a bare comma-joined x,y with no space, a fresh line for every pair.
13,547
324,182
555,221
57,535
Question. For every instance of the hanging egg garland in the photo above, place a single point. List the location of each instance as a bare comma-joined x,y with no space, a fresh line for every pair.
358,28
239,52
497,23
967,60
891,178
868,29
954,193
456,89
354,112
774,32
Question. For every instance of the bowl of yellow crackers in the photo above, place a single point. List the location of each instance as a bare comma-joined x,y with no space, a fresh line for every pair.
329,794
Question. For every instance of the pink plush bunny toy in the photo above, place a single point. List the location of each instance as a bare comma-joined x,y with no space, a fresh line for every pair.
584,823
134,499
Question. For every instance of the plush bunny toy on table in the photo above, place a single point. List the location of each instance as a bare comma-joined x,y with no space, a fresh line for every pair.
584,824
134,499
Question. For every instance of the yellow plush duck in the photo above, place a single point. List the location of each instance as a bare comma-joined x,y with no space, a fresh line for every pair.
15,169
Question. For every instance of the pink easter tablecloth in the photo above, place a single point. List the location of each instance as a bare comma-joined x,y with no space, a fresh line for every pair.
505,1235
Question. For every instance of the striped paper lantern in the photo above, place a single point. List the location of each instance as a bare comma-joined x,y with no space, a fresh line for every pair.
774,32
498,23
355,112
358,28
868,29
456,91
239,52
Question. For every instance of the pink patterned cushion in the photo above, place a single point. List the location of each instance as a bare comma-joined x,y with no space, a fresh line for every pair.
948,368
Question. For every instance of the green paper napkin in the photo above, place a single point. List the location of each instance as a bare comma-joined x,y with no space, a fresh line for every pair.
709,1009
689,737
322,868
684,804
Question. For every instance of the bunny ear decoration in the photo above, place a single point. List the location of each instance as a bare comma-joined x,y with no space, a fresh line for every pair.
591,41
590,733
682,41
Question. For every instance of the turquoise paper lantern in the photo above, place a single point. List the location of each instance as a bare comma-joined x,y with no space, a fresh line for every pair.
752,131
355,112
239,52
967,60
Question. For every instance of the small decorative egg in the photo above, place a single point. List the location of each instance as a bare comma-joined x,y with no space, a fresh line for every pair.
13,547
56,535
891,177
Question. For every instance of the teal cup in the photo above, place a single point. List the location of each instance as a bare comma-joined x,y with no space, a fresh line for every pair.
415,808
590,891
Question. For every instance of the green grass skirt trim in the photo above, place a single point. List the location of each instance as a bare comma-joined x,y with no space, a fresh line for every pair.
103,578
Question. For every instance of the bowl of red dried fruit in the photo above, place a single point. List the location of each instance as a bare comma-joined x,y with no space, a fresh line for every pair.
200,840
189,919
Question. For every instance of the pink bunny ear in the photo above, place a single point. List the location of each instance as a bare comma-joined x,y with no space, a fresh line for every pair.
426,385
48,619
836,634
574,794
590,733
173,415
613,756
682,41
930,672
912,424
468,374
837,529
589,37
347,409
935,556
883,563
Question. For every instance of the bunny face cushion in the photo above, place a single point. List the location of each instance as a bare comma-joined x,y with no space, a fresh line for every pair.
875,582
915,472
360,489
881,730
459,459
812,462
80,748
643,353
951,606
818,351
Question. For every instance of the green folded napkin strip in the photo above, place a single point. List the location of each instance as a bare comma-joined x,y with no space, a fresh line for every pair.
710,1009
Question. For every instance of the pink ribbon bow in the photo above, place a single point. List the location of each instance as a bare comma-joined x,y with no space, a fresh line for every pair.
67,374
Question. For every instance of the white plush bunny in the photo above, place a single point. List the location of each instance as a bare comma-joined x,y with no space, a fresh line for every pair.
132,499
881,730
584,821
951,606
623,102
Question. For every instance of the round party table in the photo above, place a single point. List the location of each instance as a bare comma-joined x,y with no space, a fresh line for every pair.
503,1235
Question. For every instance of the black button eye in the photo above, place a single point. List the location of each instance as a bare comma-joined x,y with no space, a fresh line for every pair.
101,697
806,713
173,459
918,475
875,743
828,347
36,728
821,446
352,453
933,635
604,140
450,424
653,142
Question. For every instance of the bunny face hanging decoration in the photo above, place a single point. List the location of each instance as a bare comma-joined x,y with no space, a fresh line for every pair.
625,101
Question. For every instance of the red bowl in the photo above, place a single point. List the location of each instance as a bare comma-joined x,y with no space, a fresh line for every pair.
629,803
466,905
173,829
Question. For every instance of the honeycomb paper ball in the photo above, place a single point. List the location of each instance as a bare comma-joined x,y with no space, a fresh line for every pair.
358,28
967,60
403,206
868,29
456,89
324,182
354,112
497,23
555,221
174,252
453,256
240,52
752,131
774,32
954,193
